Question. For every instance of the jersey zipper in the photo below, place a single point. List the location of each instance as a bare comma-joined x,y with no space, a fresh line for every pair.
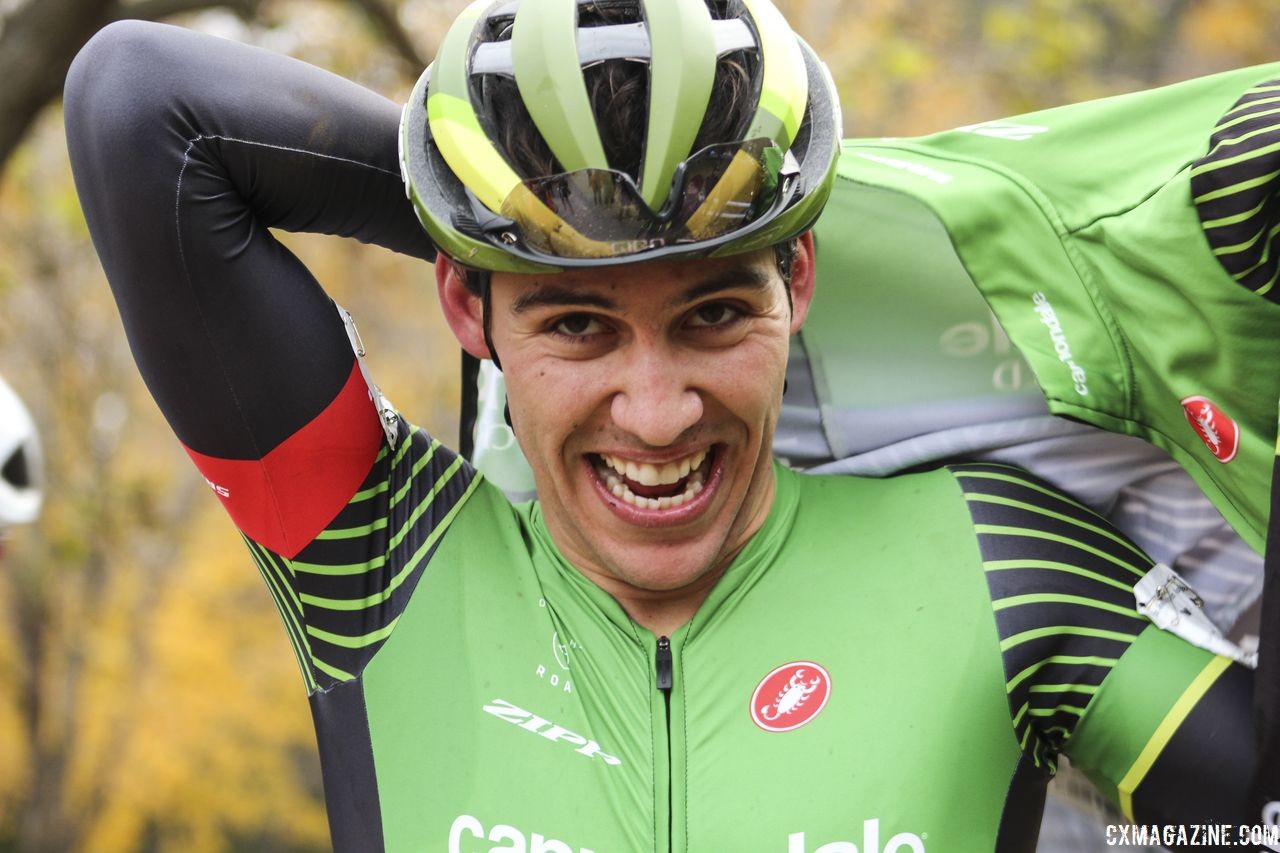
663,680
662,662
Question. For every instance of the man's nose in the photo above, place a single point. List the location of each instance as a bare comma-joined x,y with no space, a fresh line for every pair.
656,400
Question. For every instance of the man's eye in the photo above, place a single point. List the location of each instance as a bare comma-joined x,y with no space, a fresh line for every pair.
578,326
715,314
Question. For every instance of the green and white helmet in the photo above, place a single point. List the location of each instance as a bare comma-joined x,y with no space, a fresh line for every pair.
521,153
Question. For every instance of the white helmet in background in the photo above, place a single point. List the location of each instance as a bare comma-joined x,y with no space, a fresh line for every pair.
21,466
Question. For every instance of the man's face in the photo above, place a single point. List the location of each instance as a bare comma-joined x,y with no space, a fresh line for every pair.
645,399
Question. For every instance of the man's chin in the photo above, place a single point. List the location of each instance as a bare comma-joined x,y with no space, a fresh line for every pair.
662,571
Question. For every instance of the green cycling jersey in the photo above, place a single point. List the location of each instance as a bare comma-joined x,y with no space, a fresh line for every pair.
889,665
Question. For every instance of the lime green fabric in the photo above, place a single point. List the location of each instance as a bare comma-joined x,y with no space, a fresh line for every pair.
516,698
1132,705
501,620
1078,226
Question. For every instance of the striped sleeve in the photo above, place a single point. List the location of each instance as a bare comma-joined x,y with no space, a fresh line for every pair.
1234,188
341,596
1061,584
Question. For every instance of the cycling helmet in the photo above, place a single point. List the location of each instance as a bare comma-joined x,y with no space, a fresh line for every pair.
705,176
20,462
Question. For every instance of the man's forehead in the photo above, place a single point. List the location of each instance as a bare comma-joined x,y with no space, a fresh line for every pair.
611,288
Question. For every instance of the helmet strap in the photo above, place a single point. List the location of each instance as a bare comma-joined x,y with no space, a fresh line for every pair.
486,308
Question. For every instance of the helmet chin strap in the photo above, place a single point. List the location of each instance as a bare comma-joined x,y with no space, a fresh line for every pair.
486,308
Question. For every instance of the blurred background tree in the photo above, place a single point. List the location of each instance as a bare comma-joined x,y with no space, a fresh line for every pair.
148,698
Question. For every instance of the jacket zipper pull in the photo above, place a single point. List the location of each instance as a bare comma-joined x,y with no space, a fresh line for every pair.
664,664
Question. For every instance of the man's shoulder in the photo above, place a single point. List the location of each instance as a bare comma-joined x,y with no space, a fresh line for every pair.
901,504
908,484
991,502
967,480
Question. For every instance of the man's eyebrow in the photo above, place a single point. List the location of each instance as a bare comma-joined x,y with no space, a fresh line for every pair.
554,294
751,278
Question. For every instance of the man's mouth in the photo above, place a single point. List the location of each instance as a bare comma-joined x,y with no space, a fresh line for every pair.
651,486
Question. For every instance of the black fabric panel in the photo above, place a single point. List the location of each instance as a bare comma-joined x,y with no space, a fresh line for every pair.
346,764
1029,489
1041,523
1266,785
184,155
1182,787
1023,808
1030,662
1243,140
397,471
1015,620
1008,583
1080,646
1058,673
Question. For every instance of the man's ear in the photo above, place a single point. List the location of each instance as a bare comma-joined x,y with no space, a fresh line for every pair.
462,308
802,281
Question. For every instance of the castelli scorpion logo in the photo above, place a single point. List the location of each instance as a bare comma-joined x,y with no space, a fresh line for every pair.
1218,431
790,696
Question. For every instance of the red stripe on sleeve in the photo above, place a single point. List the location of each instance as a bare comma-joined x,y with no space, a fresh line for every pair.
285,499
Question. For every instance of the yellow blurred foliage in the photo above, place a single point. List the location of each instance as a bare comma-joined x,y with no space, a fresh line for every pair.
1233,32
15,752
191,707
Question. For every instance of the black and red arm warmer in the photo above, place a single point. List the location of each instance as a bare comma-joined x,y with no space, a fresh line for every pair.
186,150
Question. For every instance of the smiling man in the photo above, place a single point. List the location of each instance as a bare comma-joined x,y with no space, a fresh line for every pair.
682,645
648,399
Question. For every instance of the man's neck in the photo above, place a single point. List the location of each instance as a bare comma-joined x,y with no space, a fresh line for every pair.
664,616
664,609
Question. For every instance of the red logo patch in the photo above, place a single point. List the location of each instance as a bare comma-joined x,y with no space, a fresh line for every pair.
790,696
1219,433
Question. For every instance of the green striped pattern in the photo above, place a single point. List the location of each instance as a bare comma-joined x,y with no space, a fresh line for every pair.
341,596
1061,583
1234,188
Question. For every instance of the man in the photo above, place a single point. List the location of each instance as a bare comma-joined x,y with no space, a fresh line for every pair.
682,645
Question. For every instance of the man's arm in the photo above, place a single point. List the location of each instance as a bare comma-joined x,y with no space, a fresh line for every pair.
1197,766
186,149
1162,727
1170,737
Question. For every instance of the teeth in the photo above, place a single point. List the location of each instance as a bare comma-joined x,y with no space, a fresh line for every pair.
647,474
651,475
